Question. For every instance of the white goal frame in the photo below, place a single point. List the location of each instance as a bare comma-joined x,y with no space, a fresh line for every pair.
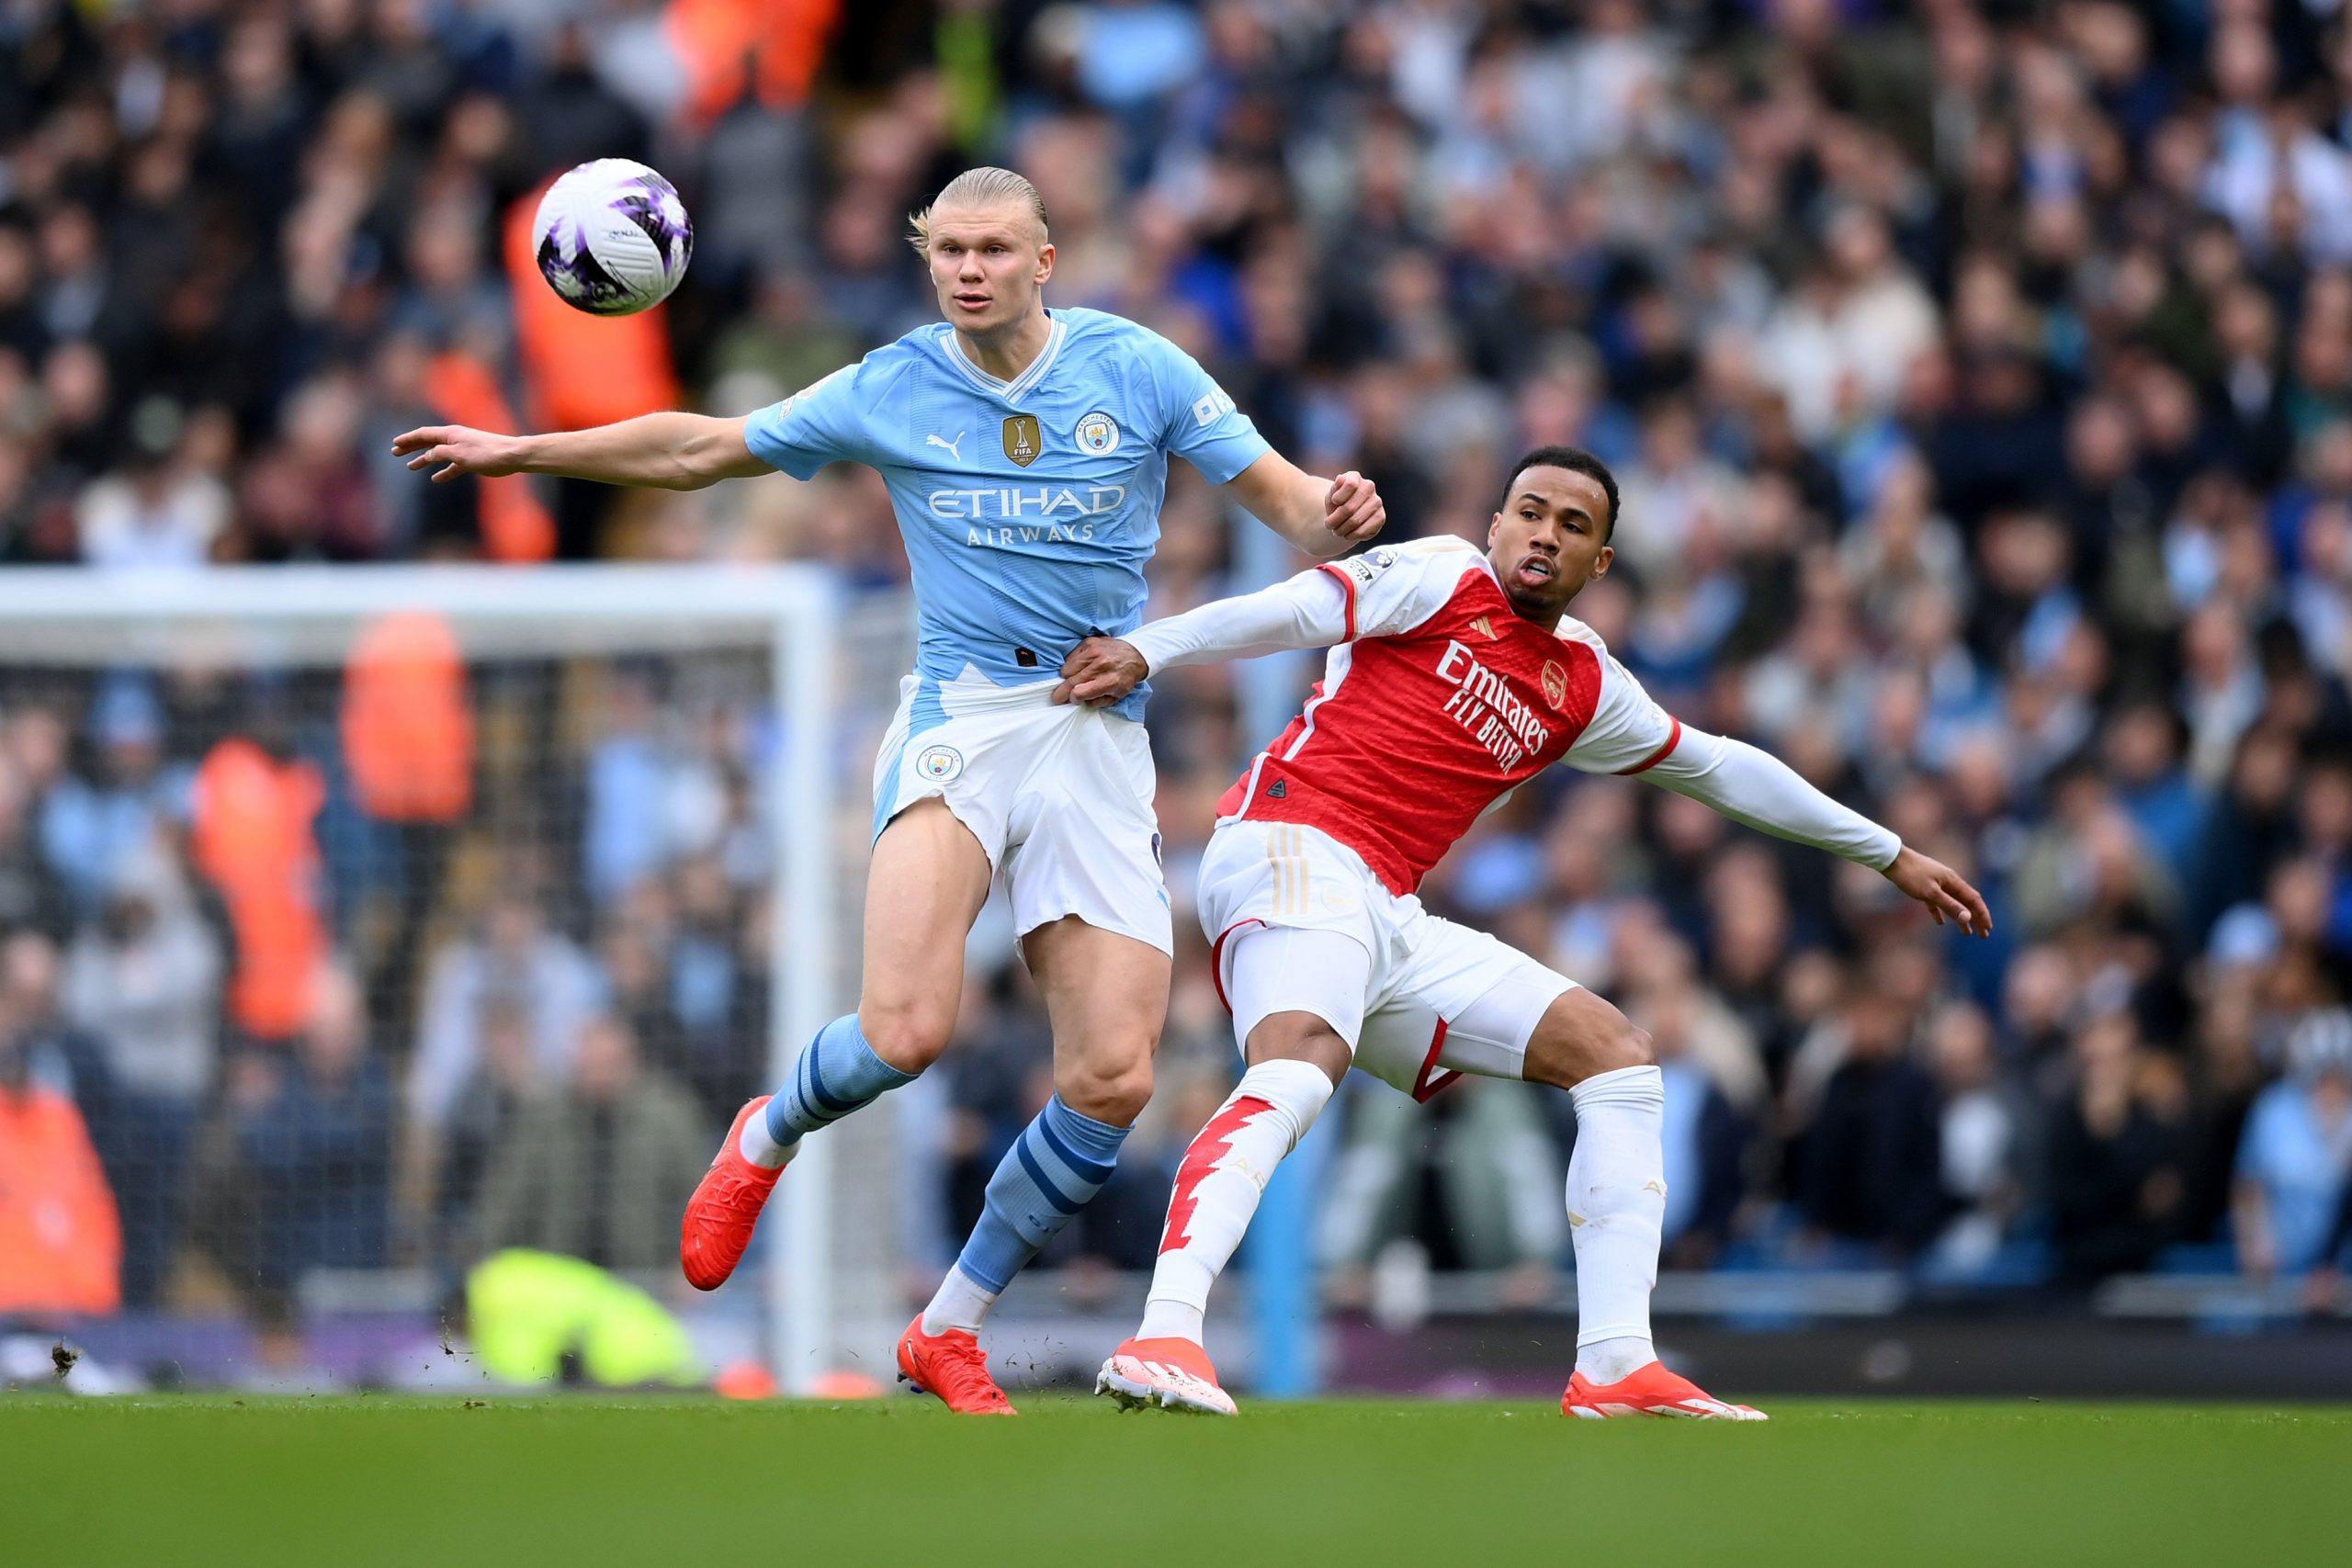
81,618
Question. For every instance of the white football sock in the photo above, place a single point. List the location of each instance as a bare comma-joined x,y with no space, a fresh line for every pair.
759,1145
1616,1213
961,1301
1606,1360
1224,1174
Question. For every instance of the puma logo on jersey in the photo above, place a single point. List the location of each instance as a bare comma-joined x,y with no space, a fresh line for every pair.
951,446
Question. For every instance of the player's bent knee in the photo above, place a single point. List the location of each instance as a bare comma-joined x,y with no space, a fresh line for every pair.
1631,1048
1582,1037
1298,1037
1625,1044
907,1038
1115,1095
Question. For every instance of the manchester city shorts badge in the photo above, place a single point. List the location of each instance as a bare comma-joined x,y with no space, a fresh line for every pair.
1098,435
940,764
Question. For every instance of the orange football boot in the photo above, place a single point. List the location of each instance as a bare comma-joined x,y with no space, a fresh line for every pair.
1650,1390
725,1208
953,1366
1169,1373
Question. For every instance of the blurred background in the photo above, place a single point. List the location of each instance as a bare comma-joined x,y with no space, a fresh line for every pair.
1980,380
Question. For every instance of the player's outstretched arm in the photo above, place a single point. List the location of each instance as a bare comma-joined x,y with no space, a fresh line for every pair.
1323,518
1307,611
1756,788
659,451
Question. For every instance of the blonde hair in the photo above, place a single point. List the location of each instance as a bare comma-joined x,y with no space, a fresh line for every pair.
986,187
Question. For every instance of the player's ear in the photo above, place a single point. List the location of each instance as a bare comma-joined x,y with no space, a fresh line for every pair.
1600,562
1493,528
1044,262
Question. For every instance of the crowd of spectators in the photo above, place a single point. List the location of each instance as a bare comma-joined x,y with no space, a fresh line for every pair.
1979,376
541,1062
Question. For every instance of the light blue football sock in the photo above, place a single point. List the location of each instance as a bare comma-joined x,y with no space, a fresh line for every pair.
838,1072
1059,1162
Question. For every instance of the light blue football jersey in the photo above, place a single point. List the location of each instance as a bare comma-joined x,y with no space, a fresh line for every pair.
1029,506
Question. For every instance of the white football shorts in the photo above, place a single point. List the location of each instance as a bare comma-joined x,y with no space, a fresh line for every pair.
1300,924
1060,796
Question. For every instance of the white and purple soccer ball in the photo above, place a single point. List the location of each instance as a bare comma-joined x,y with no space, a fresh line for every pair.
613,238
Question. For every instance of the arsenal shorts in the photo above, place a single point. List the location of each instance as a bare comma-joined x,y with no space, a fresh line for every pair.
1438,999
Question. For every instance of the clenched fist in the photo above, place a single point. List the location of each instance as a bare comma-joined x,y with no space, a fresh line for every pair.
1353,509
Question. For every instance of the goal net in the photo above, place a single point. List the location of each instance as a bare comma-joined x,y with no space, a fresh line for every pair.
357,924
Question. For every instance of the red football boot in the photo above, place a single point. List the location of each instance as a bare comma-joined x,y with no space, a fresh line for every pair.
1650,1390
953,1366
1170,1373
725,1208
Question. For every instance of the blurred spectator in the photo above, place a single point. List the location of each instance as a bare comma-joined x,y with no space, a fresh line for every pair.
313,1136
31,892
60,1248
1705,1138
252,836
1872,1157
601,1170
90,828
2252,825
1495,1173
62,1055
159,513
503,1084
408,740
710,990
645,793
2117,1155
1985,1137
515,959
143,977
2296,1157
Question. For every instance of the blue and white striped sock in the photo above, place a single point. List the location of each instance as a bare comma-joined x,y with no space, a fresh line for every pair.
837,1074
1058,1163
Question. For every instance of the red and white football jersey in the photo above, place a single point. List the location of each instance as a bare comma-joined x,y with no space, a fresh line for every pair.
1439,701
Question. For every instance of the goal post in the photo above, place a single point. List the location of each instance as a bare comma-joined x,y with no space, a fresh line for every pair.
78,628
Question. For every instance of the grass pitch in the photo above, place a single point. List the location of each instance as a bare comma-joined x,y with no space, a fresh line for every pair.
360,1482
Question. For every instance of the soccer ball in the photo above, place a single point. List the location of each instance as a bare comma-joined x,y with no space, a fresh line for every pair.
613,238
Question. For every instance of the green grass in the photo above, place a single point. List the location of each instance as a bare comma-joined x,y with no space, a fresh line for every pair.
355,1483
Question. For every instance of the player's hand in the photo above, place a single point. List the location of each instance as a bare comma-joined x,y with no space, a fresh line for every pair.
463,450
1101,671
1944,891
1352,509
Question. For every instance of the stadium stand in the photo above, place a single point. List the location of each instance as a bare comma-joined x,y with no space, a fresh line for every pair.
1980,379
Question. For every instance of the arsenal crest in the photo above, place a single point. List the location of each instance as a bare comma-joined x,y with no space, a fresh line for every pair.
1022,441
1556,684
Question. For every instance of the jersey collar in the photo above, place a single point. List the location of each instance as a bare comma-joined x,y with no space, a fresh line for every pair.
1014,391
1560,631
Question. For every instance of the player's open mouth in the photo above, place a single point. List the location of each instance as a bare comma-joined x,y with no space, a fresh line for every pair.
973,301
1537,568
